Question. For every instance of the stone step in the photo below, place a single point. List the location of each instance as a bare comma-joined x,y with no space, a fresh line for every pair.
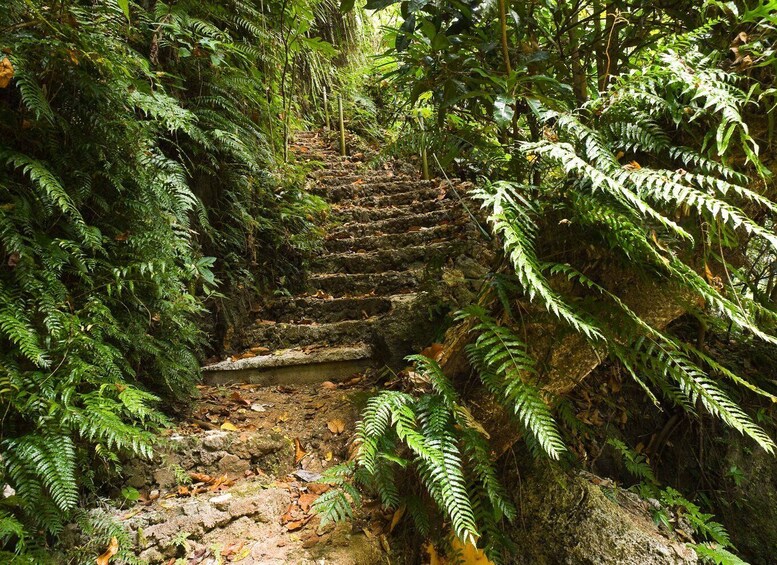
348,214
398,198
353,191
326,309
414,236
283,335
293,366
386,259
378,284
361,222
323,177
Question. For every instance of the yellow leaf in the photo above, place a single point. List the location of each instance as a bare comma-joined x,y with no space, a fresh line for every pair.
398,513
299,452
336,426
6,72
434,558
228,426
329,455
470,554
113,549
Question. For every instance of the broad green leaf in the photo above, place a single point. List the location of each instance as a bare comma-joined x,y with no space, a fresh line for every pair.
503,111
124,5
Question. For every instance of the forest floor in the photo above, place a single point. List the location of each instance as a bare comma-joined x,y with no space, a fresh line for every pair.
238,481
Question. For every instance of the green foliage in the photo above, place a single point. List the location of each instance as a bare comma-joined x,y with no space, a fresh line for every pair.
433,436
506,369
613,151
136,141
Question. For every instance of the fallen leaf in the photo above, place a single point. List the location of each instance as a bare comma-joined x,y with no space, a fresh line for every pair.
228,427
6,74
434,351
283,417
469,554
295,525
336,426
183,490
232,548
329,455
329,385
305,501
113,549
398,513
317,488
237,397
200,477
299,453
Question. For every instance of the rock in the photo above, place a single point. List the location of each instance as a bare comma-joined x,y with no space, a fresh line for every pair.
216,440
265,506
233,465
165,531
221,502
565,519
164,478
307,476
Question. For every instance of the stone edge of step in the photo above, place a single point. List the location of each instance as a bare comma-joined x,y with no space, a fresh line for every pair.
295,356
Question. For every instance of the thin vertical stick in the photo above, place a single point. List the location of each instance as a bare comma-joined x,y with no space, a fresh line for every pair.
326,108
424,159
342,125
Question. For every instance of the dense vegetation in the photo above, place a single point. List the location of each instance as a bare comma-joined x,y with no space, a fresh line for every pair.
144,186
612,143
138,174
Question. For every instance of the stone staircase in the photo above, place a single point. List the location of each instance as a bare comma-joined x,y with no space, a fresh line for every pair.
398,252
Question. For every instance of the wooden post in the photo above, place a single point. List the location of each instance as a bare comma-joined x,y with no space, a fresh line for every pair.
326,109
424,159
342,125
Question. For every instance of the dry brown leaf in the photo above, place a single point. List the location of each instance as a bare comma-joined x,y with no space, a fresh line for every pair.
113,549
232,548
237,397
329,385
183,490
398,513
305,501
200,477
434,351
6,72
299,453
317,488
228,426
295,525
336,426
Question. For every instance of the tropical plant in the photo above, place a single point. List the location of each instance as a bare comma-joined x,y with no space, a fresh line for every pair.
608,153
138,144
